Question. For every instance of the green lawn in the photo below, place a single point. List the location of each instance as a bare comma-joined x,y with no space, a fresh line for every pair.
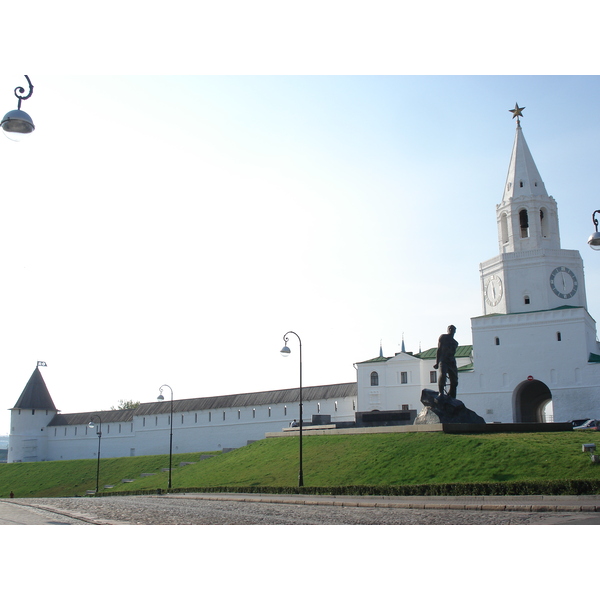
342,460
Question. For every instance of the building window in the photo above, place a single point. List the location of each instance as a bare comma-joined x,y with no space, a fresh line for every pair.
119,429
75,430
520,184
223,415
558,336
195,417
543,223
318,407
254,413
239,414
284,410
405,406
527,300
155,421
269,411
524,223
335,406
107,429
182,419
497,341
432,376
209,416
404,377
374,378
33,411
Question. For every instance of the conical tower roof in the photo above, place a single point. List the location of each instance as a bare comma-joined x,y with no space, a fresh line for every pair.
36,394
523,177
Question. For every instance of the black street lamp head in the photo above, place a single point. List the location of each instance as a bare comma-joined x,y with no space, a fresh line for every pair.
161,397
17,124
594,239
285,351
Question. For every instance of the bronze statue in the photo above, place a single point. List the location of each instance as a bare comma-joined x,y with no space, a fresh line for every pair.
445,359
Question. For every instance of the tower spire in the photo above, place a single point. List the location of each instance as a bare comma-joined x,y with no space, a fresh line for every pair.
527,216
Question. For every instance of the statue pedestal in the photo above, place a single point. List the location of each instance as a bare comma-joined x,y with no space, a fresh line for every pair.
443,409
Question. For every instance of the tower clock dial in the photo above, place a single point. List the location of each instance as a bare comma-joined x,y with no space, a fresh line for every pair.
493,290
563,282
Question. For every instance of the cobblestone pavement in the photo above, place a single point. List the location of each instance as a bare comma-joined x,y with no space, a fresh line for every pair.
189,510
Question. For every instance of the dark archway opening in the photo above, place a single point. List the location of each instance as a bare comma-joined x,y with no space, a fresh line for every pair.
531,398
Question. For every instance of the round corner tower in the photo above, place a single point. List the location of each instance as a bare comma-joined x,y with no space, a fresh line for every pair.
28,420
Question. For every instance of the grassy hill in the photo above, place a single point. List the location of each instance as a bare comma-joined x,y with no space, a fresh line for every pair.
345,460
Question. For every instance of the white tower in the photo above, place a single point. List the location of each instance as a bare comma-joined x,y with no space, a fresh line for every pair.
532,272
536,342
34,409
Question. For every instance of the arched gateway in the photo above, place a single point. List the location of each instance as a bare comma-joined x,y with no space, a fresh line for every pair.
529,401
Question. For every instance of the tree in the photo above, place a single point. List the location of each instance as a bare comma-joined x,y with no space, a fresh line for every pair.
125,404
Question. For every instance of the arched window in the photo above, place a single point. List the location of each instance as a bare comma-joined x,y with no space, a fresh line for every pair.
524,223
543,223
558,336
374,378
527,300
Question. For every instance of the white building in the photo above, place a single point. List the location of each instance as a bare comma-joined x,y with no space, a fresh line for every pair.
535,342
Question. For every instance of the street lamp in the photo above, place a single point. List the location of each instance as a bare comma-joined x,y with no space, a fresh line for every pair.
16,124
161,397
91,424
594,239
285,351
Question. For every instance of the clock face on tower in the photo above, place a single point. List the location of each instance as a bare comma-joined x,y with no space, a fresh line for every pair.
493,290
563,282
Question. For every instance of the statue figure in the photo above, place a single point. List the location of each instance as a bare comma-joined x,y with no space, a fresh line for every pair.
445,359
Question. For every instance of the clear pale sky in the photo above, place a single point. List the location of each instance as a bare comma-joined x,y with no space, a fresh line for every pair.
180,225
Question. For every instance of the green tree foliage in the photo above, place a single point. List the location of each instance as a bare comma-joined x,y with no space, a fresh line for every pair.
124,404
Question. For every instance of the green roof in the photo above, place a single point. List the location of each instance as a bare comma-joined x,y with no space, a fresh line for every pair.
461,352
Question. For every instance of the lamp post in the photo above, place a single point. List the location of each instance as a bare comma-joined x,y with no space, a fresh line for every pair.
16,124
161,397
594,239
91,424
285,351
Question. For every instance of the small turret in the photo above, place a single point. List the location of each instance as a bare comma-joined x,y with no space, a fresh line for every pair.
29,416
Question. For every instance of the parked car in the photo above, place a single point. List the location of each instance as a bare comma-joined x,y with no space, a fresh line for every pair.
592,424
578,422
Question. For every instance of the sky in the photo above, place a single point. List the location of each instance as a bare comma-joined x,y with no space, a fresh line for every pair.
174,228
